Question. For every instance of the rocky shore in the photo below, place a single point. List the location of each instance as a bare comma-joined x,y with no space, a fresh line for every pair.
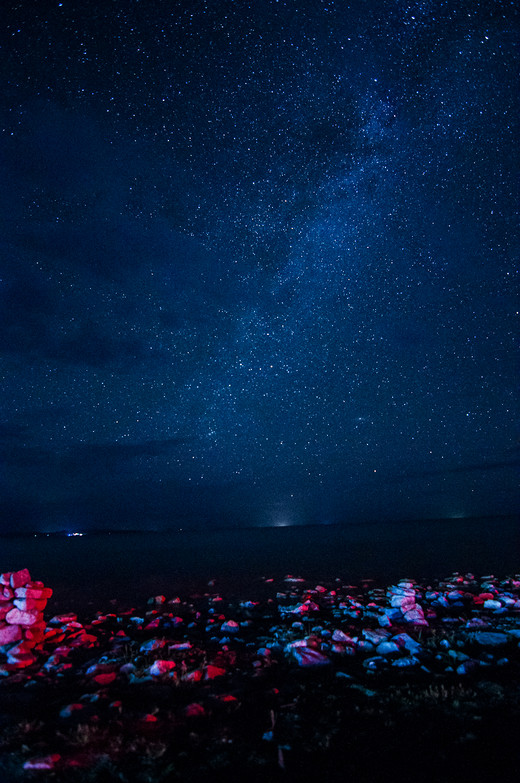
314,682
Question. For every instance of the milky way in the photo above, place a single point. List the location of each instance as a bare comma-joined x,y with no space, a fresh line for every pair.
258,262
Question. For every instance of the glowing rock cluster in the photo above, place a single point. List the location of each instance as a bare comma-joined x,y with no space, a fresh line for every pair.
22,627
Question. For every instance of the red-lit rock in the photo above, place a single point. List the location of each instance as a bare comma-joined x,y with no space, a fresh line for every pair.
195,676
161,667
35,633
213,671
30,604
10,633
18,617
20,578
20,656
30,591
105,678
63,619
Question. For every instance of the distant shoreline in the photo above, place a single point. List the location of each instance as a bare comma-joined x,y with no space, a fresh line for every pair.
223,528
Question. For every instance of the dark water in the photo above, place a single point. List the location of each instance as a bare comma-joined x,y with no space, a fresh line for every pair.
96,568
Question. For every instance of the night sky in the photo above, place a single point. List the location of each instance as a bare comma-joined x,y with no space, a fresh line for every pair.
258,262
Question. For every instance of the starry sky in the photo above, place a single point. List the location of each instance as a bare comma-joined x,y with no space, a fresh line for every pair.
258,262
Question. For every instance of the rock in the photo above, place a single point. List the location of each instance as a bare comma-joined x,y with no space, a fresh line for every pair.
33,592
230,626
151,645
387,648
406,641
375,636
63,619
18,617
44,762
415,616
10,633
105,678
307,657
20,578
20,659
161,667
406,662
30,604
213,671
194,710
466,667
490,603
490,638
341,636
70,709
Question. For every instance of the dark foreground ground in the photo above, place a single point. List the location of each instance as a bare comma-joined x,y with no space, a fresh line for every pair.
327,682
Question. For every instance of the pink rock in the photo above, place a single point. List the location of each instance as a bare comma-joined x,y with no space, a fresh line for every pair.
33,592
20,578
5,579
7,593
18,617
44,762
10,633
3,611
30,604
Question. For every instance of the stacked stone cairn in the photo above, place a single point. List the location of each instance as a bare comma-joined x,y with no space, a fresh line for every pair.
22,627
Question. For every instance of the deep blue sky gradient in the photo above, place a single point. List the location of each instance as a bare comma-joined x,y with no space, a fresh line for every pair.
259,262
